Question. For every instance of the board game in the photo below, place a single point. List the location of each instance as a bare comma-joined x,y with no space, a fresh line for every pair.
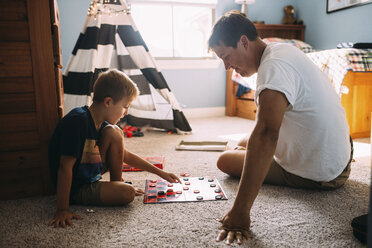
192,189
157,161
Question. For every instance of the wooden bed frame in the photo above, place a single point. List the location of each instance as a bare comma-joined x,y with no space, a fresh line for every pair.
357,103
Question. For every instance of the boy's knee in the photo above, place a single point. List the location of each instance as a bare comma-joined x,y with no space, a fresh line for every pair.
128,195
112,133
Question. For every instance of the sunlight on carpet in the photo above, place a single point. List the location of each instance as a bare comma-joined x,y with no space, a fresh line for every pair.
361,149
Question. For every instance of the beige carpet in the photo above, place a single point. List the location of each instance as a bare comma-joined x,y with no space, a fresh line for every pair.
281,217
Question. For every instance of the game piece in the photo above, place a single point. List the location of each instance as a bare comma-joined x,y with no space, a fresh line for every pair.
197,190
185,174
158,161
152,185
153,181
89,210
187,183
185,179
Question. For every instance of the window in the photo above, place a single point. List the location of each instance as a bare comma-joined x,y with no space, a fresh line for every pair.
174,28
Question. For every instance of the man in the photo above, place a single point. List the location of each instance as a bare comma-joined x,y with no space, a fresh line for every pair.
301,137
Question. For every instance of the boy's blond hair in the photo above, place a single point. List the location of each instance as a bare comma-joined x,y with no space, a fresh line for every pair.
115,84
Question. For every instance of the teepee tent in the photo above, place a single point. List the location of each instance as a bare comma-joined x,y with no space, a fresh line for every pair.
110,39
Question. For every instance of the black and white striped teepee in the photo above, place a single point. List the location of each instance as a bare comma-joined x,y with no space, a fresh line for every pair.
110,39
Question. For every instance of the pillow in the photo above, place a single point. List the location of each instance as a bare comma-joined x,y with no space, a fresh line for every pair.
306,48
345,45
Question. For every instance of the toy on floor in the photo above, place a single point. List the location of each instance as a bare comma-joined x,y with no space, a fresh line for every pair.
192,189
157,161
130,131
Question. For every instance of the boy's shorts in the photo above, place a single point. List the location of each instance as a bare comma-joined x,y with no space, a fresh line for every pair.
278,176
89,194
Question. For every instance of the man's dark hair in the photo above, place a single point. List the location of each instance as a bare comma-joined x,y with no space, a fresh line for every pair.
230,27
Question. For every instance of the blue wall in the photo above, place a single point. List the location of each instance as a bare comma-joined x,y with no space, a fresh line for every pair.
325,31
201,88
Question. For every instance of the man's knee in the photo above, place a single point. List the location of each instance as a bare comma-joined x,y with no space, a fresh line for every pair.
223,161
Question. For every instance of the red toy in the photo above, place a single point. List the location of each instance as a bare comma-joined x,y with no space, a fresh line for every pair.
130,131
198,189
157,161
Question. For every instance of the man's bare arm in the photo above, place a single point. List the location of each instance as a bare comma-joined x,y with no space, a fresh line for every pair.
261,146
260,151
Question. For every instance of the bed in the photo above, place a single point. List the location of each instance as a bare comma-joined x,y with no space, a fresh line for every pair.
349,70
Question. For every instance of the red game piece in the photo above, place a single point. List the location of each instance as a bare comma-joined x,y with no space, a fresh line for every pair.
185,188
170,185
179,192
187,183
196,191
185,174
152,185
169,190
153,181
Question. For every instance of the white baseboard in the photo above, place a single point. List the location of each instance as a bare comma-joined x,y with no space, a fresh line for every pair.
191,113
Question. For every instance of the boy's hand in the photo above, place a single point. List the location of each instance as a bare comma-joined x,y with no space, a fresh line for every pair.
62,217
170,177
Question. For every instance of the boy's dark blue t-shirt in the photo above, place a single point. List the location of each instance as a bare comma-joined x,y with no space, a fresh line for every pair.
76,136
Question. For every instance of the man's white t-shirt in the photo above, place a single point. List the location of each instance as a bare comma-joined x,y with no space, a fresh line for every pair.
314,135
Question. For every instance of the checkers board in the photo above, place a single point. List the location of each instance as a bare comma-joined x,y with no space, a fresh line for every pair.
192,189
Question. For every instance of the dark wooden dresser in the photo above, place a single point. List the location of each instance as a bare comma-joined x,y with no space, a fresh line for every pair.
30,94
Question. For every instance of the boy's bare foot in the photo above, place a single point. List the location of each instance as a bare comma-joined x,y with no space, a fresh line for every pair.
138,191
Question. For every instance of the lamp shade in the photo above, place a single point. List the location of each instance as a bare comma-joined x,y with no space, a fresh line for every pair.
244,1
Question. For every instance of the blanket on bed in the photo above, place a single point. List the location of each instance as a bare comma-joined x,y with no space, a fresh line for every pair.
334,62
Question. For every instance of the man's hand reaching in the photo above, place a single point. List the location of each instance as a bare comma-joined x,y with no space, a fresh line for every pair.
235,226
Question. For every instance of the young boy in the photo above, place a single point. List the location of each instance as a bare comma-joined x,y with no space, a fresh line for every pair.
87,142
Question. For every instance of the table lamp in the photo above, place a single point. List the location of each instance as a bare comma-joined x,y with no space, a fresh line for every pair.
244,4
